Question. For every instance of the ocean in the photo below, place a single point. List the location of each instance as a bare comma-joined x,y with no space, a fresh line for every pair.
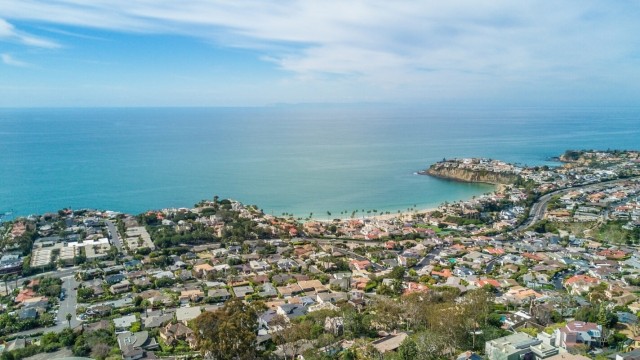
285,159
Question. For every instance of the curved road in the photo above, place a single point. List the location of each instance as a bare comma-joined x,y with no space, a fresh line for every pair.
539,207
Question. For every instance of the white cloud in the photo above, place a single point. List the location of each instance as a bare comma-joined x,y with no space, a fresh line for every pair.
7,59
9,33
393,43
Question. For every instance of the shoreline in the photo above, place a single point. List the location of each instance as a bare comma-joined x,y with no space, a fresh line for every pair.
382,217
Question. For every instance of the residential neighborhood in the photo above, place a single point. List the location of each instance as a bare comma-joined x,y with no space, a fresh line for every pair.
461,281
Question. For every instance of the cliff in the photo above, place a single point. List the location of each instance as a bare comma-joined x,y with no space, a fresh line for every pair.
572,156
469,175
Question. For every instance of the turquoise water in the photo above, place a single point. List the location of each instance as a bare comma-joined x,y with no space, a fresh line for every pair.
284,159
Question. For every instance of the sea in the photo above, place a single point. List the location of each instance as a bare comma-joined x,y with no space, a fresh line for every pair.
319,161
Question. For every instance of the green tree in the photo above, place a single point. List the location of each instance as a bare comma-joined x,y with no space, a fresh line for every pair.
5,277
408,350
397,273
291,336
228,333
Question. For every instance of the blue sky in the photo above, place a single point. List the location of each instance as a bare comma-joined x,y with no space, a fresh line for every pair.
252,53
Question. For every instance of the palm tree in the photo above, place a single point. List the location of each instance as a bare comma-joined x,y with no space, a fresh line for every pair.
69,319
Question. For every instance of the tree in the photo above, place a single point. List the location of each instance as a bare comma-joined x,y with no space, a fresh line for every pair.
397,273
477,307
100,351
408,350
5,277
291,337
228,333
388,314
69,319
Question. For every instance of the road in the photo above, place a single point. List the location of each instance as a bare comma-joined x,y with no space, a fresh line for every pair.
377,267
422,263
115,237
539,207
127,300
431,255
67,306
344,241
491,263
60,273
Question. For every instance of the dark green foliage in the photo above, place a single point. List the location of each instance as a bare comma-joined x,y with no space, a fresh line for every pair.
597,314
408,350
228,333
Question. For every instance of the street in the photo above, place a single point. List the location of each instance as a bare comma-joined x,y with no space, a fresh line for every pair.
67,306
539,207
491,263
115,237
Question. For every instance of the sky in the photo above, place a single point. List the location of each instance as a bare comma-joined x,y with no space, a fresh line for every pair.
254,53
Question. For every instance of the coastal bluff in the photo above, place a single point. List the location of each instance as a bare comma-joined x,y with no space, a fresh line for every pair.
474,170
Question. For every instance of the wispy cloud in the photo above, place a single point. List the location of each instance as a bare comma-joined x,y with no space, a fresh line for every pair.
9,33
72,34
8,59
394,43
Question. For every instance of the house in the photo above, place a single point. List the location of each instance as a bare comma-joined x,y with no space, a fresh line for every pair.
267,290
407,257
24,294
389,342
518,346
445,273
121,287
312,286
259,265
114,279
360,265
99,310
487,281
219,295
626,318
242,291
630,355
291,311
333,297
519,295
462,271
579,284
287,265
16,344
171,333
203,269
133,345
194,295
123,324
334,325
289,290
266,321
186,314
28,314
414,287
156,321
468,355
578,332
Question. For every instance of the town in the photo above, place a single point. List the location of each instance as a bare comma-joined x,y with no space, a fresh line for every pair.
544,267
